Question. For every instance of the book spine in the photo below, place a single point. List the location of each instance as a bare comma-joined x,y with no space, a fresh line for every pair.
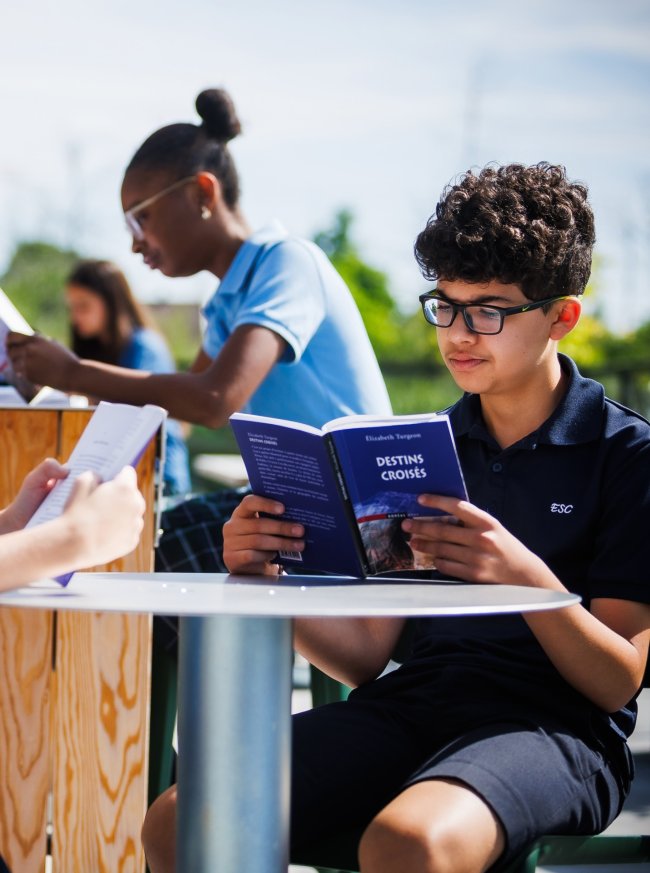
347,504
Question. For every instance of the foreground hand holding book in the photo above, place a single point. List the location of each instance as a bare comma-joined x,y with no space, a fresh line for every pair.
116,436
351,483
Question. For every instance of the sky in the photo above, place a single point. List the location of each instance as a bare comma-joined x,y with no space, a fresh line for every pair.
369,105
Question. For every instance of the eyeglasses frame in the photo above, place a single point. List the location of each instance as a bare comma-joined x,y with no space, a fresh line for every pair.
130,214
503,311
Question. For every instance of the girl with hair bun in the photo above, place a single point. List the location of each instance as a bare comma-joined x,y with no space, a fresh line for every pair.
283,335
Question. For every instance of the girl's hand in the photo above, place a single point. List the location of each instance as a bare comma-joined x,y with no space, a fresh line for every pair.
251,542
36,486
477,548
106,517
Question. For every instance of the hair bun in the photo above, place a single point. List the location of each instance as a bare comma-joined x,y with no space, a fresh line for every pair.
218,113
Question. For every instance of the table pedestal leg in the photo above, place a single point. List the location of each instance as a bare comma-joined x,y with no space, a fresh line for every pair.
234,732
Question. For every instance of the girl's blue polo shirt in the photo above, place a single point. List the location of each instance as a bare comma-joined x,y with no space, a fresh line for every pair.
288,285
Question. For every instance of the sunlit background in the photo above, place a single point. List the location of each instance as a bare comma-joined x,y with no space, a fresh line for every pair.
365,104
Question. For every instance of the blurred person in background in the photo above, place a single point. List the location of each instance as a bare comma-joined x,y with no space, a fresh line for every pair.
108,324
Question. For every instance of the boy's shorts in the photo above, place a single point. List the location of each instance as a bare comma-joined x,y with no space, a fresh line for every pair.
351,759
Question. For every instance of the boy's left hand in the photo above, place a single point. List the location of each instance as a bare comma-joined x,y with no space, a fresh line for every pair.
252,540
477,548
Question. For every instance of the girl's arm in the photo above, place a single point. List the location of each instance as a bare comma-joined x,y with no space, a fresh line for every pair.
602,652
352,650
206,396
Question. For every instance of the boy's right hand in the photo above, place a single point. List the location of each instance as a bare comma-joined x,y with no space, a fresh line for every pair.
107,517
251,542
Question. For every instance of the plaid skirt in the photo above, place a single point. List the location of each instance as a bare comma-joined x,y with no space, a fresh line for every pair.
192,533
191,542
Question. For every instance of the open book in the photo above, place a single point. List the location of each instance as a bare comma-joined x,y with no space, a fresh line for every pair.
351,483
11,319
116,436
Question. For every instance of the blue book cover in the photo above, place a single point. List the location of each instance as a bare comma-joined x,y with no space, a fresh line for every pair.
351,483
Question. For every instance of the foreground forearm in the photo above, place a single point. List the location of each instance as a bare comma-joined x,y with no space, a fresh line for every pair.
48,550
186,396
605,665
351,650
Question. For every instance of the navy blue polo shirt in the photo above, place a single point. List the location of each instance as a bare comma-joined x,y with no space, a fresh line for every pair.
577,493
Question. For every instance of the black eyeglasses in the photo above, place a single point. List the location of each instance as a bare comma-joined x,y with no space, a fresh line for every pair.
478,317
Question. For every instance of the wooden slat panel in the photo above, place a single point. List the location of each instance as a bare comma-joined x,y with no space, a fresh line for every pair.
25,749
26,437
101,730
81,731
102,704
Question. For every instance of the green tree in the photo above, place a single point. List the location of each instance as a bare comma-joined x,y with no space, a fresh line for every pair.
369,286
401,341
34,283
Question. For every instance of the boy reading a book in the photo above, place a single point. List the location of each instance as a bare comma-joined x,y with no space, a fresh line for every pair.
502,728
101,522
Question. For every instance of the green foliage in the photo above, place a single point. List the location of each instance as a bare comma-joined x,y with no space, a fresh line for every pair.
630,350
398,340
410,392
180,325
34,283
369,287
587,343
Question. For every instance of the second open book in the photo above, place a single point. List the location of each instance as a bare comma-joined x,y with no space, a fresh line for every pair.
116,436
351,483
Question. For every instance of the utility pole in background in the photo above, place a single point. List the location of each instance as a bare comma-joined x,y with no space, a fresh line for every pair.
470,138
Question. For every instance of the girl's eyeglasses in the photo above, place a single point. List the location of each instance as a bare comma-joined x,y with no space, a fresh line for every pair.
131,215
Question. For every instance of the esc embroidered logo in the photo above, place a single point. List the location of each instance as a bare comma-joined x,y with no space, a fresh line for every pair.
562,508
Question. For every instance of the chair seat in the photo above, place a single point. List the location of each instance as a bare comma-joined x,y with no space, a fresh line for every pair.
335,853
339,853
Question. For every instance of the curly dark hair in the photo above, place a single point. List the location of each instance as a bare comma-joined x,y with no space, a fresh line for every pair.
525,226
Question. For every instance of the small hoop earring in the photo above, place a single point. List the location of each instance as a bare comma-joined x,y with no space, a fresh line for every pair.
206,213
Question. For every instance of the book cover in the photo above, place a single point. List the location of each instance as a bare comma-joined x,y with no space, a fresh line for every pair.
116,436
386,464
291,463
351,484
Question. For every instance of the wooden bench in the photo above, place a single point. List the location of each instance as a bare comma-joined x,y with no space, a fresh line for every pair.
74,696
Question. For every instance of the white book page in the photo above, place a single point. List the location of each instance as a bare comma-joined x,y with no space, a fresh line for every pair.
115,436
280,422
355,421
10,319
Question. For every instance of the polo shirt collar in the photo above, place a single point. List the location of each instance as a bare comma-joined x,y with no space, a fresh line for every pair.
236,272
577,418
